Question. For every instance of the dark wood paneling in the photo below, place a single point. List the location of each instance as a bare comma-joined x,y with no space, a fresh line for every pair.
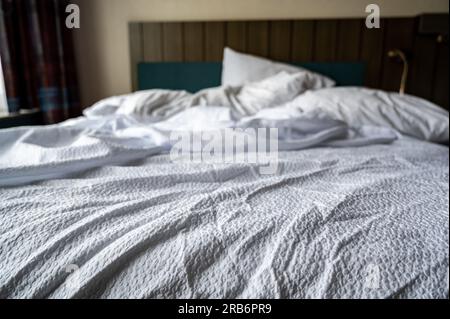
258,38
237,36
372,53
280,40
433,24
214,41
193,42
399,35
136,49
305,41
152,41
302,41
348,42
440,93
422,74
172,34
325,40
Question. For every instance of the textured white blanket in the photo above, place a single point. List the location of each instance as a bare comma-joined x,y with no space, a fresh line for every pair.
360,222
93,208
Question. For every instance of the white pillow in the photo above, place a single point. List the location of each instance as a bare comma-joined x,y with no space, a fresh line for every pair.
240,69
273,91
407,114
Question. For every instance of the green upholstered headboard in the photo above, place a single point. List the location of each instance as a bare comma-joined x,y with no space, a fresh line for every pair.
195,76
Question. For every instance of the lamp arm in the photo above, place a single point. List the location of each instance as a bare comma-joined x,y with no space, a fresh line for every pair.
404,74
404,79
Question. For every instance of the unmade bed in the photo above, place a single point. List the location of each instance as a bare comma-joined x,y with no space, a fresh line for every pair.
96,207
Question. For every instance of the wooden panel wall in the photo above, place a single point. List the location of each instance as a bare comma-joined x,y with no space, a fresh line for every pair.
305,41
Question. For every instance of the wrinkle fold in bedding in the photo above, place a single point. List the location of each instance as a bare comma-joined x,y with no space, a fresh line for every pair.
81,144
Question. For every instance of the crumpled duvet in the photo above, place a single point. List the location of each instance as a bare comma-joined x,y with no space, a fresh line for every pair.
30,154
366,222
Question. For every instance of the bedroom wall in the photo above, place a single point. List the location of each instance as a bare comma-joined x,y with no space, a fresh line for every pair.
102,45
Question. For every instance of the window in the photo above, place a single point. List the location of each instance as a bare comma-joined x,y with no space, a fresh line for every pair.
3,103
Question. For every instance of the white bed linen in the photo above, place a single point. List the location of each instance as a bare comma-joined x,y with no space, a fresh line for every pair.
357,106
366,222
84,143
369,221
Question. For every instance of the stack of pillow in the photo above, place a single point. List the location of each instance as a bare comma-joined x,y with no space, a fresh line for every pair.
267,84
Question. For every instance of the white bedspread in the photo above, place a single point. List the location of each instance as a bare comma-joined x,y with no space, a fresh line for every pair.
109,215
330,221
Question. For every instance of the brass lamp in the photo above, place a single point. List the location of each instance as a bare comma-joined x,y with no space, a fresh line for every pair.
400,54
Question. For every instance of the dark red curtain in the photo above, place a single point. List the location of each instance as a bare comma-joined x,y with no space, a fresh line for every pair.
38,61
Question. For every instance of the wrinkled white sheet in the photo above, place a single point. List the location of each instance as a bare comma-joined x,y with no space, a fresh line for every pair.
81,144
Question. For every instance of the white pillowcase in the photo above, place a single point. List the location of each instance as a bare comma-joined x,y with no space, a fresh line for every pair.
407,114
240,69
274,91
